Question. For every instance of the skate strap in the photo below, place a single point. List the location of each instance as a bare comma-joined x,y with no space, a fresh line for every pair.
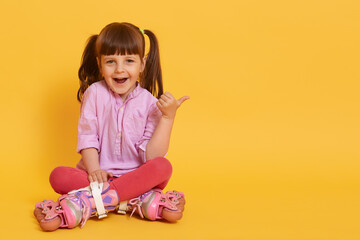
123,207
49,208
96,190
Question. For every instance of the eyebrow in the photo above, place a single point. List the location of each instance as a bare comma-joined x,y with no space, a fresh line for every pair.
131,56
113,56
108,57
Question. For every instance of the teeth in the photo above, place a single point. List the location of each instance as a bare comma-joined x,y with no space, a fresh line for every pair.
120,79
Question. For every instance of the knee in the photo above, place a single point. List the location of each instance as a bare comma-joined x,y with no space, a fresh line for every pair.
57,178
65,179
163,166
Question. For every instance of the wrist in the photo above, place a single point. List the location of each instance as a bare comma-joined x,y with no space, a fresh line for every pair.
168,118
90,171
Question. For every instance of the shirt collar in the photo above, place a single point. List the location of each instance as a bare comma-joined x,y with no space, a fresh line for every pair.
134,92
131,95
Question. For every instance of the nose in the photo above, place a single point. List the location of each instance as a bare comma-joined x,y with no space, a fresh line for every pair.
119,68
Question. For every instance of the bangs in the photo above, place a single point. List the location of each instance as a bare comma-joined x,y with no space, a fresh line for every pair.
120,39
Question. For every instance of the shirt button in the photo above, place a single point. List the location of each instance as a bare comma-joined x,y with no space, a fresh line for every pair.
119,134
121,109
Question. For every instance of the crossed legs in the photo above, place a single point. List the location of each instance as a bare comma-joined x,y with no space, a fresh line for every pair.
154,173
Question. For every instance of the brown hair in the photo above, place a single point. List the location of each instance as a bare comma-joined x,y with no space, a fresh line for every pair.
121,38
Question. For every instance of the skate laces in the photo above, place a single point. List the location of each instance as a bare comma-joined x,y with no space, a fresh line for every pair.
136,205
84,208
78,197
168,200
95,190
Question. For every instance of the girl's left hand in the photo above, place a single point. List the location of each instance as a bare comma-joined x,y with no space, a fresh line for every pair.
168,105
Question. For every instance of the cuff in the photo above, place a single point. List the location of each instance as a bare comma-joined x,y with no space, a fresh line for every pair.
85,142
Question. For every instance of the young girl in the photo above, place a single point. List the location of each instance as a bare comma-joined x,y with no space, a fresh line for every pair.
123,135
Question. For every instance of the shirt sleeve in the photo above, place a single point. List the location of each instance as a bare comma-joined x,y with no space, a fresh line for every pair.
88,123
151,124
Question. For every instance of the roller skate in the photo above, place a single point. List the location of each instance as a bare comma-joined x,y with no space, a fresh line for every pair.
76,207
155,204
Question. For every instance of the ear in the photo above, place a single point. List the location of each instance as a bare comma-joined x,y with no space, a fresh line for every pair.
143,64
98,62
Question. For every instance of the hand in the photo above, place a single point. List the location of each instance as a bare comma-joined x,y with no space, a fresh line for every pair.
168,105
99,176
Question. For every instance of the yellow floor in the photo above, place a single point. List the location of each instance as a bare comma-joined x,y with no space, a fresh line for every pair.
305,203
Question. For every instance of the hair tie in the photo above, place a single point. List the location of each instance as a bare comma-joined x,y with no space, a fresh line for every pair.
142,31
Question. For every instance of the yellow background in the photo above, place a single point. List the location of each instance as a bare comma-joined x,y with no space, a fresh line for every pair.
267,147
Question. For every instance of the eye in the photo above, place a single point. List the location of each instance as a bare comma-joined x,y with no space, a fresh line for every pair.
110,61
130,60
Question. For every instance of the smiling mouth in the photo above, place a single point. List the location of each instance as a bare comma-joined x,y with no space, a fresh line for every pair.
120,80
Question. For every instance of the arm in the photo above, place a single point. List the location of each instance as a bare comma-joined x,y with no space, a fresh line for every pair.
88,142
159,142
90,158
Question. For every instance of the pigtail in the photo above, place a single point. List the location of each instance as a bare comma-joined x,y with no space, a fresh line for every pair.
89,70
152,76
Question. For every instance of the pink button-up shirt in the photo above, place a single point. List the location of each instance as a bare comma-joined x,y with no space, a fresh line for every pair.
119,130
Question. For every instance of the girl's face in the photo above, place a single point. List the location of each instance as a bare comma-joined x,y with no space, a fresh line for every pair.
121,72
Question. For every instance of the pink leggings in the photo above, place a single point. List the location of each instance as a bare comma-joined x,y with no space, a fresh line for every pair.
153,173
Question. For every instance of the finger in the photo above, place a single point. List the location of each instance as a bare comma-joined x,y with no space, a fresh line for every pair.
182,99
100,177
90,178
105,176
110,174
164,99
162,102
94,178
158,104
169,95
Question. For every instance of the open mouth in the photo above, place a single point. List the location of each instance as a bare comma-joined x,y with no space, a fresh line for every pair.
120,80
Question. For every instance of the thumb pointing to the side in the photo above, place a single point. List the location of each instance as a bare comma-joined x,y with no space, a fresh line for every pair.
182,99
